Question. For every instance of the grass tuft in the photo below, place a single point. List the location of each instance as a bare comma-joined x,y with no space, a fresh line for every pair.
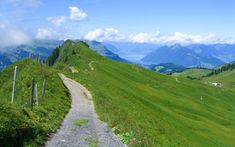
81,122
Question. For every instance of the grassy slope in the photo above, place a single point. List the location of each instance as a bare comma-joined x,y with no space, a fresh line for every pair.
158,109
226,78
167,68
193,72
18,126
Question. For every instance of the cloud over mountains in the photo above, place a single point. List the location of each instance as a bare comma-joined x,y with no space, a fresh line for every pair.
10,36
18,25
112,34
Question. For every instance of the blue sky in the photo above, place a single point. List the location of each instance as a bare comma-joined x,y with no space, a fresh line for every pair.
156,21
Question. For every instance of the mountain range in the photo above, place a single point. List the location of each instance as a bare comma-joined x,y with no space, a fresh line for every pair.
194,55
43,48
131,51
183,56
36,49
102,50
145,54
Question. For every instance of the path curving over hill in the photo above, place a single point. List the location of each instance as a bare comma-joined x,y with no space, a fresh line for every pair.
81,127
90,65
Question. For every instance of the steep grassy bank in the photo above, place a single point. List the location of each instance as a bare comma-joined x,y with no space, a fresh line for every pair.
21,127
149,109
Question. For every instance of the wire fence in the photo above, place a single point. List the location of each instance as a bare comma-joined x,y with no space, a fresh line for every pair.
25,87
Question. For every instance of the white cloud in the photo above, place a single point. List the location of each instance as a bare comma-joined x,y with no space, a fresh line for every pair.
94,35
186,38
111,34
77,14
45,33
23,3
2,26
144,37
175,38
57,21
12,36
31,3
102,34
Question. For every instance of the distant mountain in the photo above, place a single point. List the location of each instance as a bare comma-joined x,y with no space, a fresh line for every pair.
223,52
131,51
166,68
37,48
4,61
183,56
194,55
102,50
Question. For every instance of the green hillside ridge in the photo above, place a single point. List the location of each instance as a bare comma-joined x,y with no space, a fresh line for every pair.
167,68
23,127
149,109
193,73
224,75
200,73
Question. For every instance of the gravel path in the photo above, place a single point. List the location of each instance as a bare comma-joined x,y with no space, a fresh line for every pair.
90,65
81,127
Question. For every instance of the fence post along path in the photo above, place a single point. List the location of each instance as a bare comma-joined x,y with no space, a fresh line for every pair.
14,85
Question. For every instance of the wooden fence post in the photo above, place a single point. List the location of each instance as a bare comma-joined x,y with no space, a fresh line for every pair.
14,86
32,94
43,89
36,89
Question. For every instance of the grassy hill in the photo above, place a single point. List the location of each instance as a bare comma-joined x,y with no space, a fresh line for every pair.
225,78
149,109
166,68
224,75
193,73
20,126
